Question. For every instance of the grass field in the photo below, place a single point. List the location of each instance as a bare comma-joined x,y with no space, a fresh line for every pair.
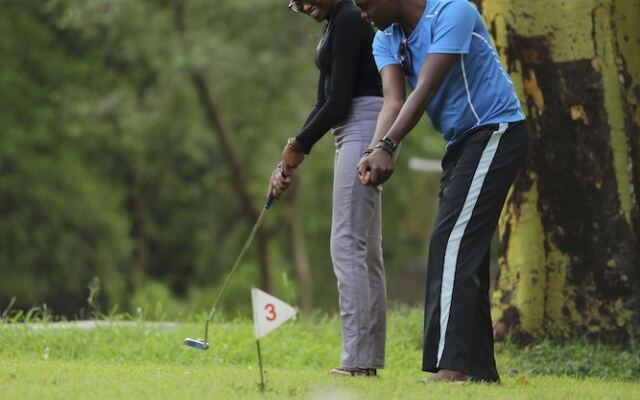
145,360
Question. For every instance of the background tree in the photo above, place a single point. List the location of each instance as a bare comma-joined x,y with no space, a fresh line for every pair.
570,231
60,221
110,166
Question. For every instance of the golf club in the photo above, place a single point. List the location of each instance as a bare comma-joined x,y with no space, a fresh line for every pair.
201,344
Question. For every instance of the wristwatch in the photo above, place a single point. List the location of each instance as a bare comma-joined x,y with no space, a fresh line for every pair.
389,142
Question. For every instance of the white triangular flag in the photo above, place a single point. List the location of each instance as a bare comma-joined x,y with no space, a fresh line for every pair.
268,312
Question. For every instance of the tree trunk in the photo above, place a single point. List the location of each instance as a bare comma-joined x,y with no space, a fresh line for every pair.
569,232
299,256
238,176
140,231
230,155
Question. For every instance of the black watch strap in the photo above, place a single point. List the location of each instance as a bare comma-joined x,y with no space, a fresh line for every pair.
387,141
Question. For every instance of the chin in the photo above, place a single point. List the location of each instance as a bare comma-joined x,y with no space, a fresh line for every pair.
381,25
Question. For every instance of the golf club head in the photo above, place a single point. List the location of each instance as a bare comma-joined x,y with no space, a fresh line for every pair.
196,343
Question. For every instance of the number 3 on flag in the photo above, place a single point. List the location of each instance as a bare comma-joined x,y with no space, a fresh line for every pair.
269,312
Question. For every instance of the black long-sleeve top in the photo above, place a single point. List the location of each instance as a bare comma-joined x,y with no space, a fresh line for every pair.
347,70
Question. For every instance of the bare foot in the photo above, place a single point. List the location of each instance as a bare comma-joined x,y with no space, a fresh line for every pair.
446,375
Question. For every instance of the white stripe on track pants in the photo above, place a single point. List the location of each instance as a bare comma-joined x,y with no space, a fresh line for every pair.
477,174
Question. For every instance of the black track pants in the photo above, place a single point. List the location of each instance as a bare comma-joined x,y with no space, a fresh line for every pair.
477,174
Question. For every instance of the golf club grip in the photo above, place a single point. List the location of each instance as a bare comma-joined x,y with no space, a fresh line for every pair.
269,201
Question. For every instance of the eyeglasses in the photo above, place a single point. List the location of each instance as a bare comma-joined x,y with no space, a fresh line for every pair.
405,58
296,5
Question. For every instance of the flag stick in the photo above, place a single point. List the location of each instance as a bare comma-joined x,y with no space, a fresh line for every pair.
261,371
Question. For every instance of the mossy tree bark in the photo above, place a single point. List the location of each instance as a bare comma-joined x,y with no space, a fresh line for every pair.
569,233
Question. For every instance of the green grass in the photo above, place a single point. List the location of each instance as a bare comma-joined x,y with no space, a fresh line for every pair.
145,360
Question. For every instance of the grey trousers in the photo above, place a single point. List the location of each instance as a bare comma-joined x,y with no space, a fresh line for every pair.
356,242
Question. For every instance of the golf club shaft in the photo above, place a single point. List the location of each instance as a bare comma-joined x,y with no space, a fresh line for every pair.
252,235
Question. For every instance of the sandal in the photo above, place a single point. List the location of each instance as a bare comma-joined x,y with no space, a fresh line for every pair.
353,372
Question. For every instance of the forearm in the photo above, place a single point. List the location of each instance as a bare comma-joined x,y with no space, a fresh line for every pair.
432,73
409,114
387,116
316,109
332,112
320,100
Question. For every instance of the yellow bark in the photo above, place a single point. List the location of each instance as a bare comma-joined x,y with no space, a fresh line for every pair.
608,59
535,273
522,267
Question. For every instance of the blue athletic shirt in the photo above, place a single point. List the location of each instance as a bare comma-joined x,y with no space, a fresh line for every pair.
477,90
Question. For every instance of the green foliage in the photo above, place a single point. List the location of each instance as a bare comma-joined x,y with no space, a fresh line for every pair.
110,169
59,223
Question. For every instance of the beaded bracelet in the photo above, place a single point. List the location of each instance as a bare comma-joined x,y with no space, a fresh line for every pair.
384,146
367,152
